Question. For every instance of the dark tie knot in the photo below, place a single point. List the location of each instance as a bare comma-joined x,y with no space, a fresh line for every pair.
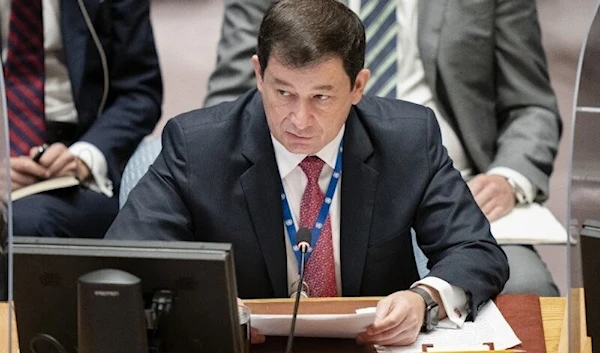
312,166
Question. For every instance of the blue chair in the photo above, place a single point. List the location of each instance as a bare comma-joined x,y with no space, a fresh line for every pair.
144,155
148,150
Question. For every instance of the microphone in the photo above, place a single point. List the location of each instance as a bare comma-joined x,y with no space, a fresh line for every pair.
303,237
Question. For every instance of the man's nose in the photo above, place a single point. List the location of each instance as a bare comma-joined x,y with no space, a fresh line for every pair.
302,116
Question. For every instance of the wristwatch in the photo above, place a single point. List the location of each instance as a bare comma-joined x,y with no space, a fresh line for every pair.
520,198
431,310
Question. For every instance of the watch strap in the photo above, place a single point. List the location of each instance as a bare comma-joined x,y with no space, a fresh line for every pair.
518,192
429,302
428,321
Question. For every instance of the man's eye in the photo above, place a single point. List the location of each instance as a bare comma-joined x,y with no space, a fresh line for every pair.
322,97
283,93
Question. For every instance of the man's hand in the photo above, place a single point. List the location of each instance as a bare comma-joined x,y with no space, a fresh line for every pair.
24,172
493,194
56,161
398,320
59,161
255,336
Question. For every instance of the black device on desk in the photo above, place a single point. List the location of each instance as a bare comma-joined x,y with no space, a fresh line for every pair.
194,283
590,263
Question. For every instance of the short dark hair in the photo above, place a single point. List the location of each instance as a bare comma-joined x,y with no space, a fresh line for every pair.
302,32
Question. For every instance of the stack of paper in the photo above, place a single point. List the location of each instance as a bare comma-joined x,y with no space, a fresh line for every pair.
490,326
315,325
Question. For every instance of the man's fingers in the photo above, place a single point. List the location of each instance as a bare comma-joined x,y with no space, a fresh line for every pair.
52,153
476,184
393,319
24,165
484,197
398,320
386,335
403,335
492,194
19,180
401,329
33,151
383,319
69,168
58,160
488,207
22,179
404,338
383,308
496,213
256,337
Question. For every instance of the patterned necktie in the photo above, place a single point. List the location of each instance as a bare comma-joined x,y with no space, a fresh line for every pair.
320,269
381,26
24,76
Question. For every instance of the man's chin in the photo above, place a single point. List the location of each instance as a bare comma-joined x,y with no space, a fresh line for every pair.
301,149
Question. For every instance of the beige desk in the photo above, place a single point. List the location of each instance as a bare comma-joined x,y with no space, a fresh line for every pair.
4,330
556,330
553,316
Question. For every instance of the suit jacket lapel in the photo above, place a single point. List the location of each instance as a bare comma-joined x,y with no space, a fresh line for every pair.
431,20
359,182
75,36
261,188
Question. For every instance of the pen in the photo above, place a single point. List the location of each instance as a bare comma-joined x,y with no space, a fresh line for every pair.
40,151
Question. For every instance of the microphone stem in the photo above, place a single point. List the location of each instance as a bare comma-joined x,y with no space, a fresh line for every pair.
290,341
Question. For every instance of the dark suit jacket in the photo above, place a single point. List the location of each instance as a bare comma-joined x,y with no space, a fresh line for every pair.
485,65
135,89
216,180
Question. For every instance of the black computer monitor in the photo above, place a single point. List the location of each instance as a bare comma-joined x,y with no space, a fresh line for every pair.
203,316
590,263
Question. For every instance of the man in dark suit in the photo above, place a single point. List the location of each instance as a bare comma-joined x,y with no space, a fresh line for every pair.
246,173
481,67
103,94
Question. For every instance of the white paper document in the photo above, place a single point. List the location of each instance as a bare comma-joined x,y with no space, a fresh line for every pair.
529,224
315,325
490,326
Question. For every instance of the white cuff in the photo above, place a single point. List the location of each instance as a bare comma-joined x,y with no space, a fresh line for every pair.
96,162
528,188
453,298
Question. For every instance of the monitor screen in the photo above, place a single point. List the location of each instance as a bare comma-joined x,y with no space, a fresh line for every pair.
590,263
203,315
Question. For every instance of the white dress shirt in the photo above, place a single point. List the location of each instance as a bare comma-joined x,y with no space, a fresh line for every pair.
58,97
294,182
412,86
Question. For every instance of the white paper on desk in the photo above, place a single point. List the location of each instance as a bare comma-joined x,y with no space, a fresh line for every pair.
490,326
315,325
529,224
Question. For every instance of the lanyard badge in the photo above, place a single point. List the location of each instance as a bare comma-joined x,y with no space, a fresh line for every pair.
321,218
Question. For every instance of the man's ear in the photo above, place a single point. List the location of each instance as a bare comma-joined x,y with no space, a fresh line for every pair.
360,83
258,74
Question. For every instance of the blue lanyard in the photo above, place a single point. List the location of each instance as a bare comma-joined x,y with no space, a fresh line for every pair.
321,218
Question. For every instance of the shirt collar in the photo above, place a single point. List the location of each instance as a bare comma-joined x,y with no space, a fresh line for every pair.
288,161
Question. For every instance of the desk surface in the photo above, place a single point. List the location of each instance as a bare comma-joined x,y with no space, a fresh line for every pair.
4,330
553,313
